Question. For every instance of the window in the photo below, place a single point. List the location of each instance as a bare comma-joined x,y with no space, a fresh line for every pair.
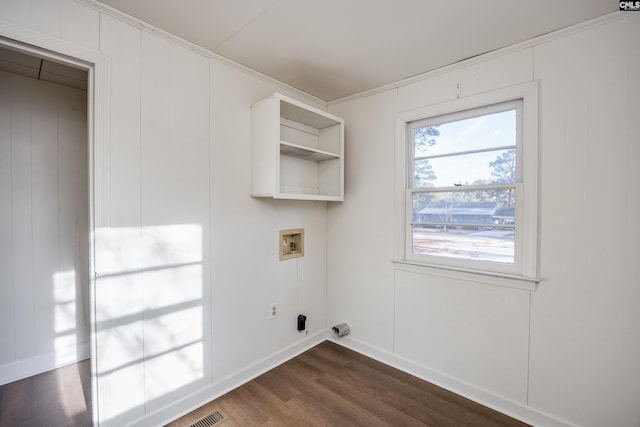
470,184
463,180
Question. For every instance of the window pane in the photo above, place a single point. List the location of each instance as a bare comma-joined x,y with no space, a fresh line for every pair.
492,207
488,131
484,245
468,169
478,225
464,169
423,174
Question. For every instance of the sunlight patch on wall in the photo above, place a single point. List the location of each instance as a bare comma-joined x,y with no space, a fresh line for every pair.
150,320
166,245
64,319
173,370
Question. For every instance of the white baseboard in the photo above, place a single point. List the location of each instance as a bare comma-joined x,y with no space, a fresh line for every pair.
217,389
501,404
25,368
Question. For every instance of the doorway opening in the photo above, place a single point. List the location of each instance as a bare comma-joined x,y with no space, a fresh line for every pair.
45,262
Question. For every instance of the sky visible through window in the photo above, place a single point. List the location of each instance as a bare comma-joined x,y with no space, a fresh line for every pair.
493,130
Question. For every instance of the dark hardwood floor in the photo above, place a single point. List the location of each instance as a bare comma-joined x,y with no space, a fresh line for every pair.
58,398
330,385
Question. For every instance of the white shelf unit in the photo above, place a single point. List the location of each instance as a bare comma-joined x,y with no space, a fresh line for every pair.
297,151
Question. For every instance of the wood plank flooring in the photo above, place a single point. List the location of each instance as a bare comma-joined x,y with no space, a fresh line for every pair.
60,398
330,385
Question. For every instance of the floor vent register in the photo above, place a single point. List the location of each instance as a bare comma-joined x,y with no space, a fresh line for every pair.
212,419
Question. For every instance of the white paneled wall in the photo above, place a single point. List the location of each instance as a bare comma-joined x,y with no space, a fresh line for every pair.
175,220
66,20
562,354
360,264
119,303
476,333
585,324
44,246
246,271
152,245
186,261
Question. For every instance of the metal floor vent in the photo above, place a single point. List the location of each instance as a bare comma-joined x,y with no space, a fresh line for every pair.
212,419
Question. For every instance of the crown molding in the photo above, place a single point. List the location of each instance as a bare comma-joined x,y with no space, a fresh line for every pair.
535,41
135,22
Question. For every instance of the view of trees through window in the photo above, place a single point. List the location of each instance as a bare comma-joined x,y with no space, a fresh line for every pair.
463,185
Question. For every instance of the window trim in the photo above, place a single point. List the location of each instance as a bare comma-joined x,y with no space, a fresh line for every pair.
526,273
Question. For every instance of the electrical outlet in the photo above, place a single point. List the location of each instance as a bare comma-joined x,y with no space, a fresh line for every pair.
274,311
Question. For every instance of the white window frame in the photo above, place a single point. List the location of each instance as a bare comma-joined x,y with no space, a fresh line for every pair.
523,273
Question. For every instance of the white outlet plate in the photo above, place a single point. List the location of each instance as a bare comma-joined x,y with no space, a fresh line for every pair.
273,311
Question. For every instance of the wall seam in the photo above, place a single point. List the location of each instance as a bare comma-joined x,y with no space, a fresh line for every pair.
210,222
528,381
141,257
11,198
31,286
395,272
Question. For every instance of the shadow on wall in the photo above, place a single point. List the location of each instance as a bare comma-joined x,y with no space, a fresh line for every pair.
149,315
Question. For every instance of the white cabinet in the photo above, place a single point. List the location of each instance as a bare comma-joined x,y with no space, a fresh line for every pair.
297,151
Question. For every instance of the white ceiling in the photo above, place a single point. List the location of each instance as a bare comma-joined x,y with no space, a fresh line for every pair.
28,65
335,48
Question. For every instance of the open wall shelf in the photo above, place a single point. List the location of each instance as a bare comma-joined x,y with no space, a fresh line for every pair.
297,151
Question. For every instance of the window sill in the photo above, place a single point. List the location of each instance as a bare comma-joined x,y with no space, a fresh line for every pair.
482,277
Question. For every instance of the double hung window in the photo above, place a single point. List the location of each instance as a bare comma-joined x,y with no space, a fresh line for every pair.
471,185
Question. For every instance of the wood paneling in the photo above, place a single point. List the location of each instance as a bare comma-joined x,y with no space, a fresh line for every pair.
45,185
7,353
21,231
152,295
44,224
79,24
500,72
570,351
459,336
118,241
582,313
360,274
175,217
65,19
630,318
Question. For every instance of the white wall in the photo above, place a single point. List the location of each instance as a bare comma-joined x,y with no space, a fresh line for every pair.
179,241
180,123
152,295
187,261
585,322
44,213
247,273
568,351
